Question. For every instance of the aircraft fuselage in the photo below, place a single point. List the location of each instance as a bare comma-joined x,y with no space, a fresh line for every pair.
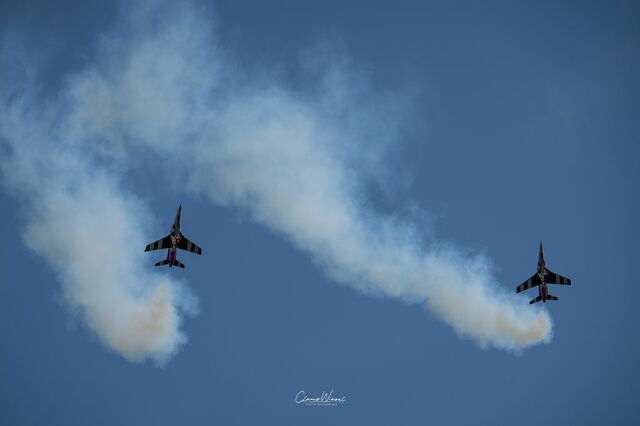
542,288
175,238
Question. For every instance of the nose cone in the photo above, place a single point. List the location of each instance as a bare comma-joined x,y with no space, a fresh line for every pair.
176,222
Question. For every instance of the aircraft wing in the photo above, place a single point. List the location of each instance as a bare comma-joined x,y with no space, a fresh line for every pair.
187,245
160,244
553,278
531,282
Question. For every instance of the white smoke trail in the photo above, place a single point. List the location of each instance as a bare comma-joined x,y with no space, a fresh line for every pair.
90,231
289,158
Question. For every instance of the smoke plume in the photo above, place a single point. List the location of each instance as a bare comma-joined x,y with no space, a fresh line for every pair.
161,91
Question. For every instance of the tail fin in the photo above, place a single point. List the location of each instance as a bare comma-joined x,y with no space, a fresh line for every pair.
163,262
550,297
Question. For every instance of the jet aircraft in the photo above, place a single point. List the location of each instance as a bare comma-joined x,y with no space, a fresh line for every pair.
541,278
175,240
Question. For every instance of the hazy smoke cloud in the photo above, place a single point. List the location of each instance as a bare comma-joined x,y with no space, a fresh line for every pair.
90,232
295,160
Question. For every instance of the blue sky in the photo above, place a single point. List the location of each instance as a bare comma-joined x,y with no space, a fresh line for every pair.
491,127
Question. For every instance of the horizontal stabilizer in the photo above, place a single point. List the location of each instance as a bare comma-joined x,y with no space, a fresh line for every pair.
177,263
163,262
536,300
539,298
